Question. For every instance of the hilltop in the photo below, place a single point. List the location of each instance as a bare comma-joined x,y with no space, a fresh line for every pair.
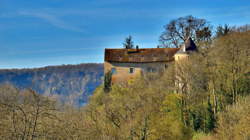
71,83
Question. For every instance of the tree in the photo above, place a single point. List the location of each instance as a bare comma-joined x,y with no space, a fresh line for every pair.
234,122
231,61
222,31
179,30
243,28
107,81
128,44
210,118
204,34
25,114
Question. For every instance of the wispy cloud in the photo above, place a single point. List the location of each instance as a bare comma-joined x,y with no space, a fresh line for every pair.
51,19
108,2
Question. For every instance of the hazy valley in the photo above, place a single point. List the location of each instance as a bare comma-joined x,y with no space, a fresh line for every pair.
69,83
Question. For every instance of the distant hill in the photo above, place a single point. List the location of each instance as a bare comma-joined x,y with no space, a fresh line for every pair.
69,83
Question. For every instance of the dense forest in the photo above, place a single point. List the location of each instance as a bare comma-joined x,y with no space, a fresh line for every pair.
68,83
212,102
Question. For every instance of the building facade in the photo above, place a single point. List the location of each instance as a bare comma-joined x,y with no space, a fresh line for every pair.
125,64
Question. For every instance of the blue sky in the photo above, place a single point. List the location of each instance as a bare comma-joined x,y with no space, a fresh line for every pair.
35,33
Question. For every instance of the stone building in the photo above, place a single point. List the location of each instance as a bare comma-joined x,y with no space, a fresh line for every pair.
126,64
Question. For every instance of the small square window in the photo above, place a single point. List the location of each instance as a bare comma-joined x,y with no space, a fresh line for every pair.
166,66
113,71
131,70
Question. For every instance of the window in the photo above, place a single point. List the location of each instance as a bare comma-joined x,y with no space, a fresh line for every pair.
149,69
113,71
166,66
131,70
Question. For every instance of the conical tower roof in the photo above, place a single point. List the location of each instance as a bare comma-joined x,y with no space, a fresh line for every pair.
190,45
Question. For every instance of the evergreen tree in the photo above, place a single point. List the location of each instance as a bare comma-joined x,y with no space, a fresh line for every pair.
210,118
197,120
128,44
107,81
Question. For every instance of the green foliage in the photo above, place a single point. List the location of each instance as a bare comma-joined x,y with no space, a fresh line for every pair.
210,118
107,81
197,121
139,111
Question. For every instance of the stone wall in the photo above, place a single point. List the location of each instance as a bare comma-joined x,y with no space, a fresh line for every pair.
178,57
122,71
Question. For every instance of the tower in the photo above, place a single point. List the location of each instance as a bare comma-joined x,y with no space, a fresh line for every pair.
186,49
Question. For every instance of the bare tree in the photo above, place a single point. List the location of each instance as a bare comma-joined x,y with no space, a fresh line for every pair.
223,30
179,30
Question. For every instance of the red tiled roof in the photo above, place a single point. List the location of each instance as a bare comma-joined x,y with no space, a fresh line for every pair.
140,55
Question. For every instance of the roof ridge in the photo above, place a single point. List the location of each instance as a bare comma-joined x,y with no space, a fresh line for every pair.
140,55
136,49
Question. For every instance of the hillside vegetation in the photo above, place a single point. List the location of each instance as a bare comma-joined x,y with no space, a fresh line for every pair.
69,83
212,103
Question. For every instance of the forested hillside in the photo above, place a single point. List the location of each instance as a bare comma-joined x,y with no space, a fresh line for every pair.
69,83
203,97
212,103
